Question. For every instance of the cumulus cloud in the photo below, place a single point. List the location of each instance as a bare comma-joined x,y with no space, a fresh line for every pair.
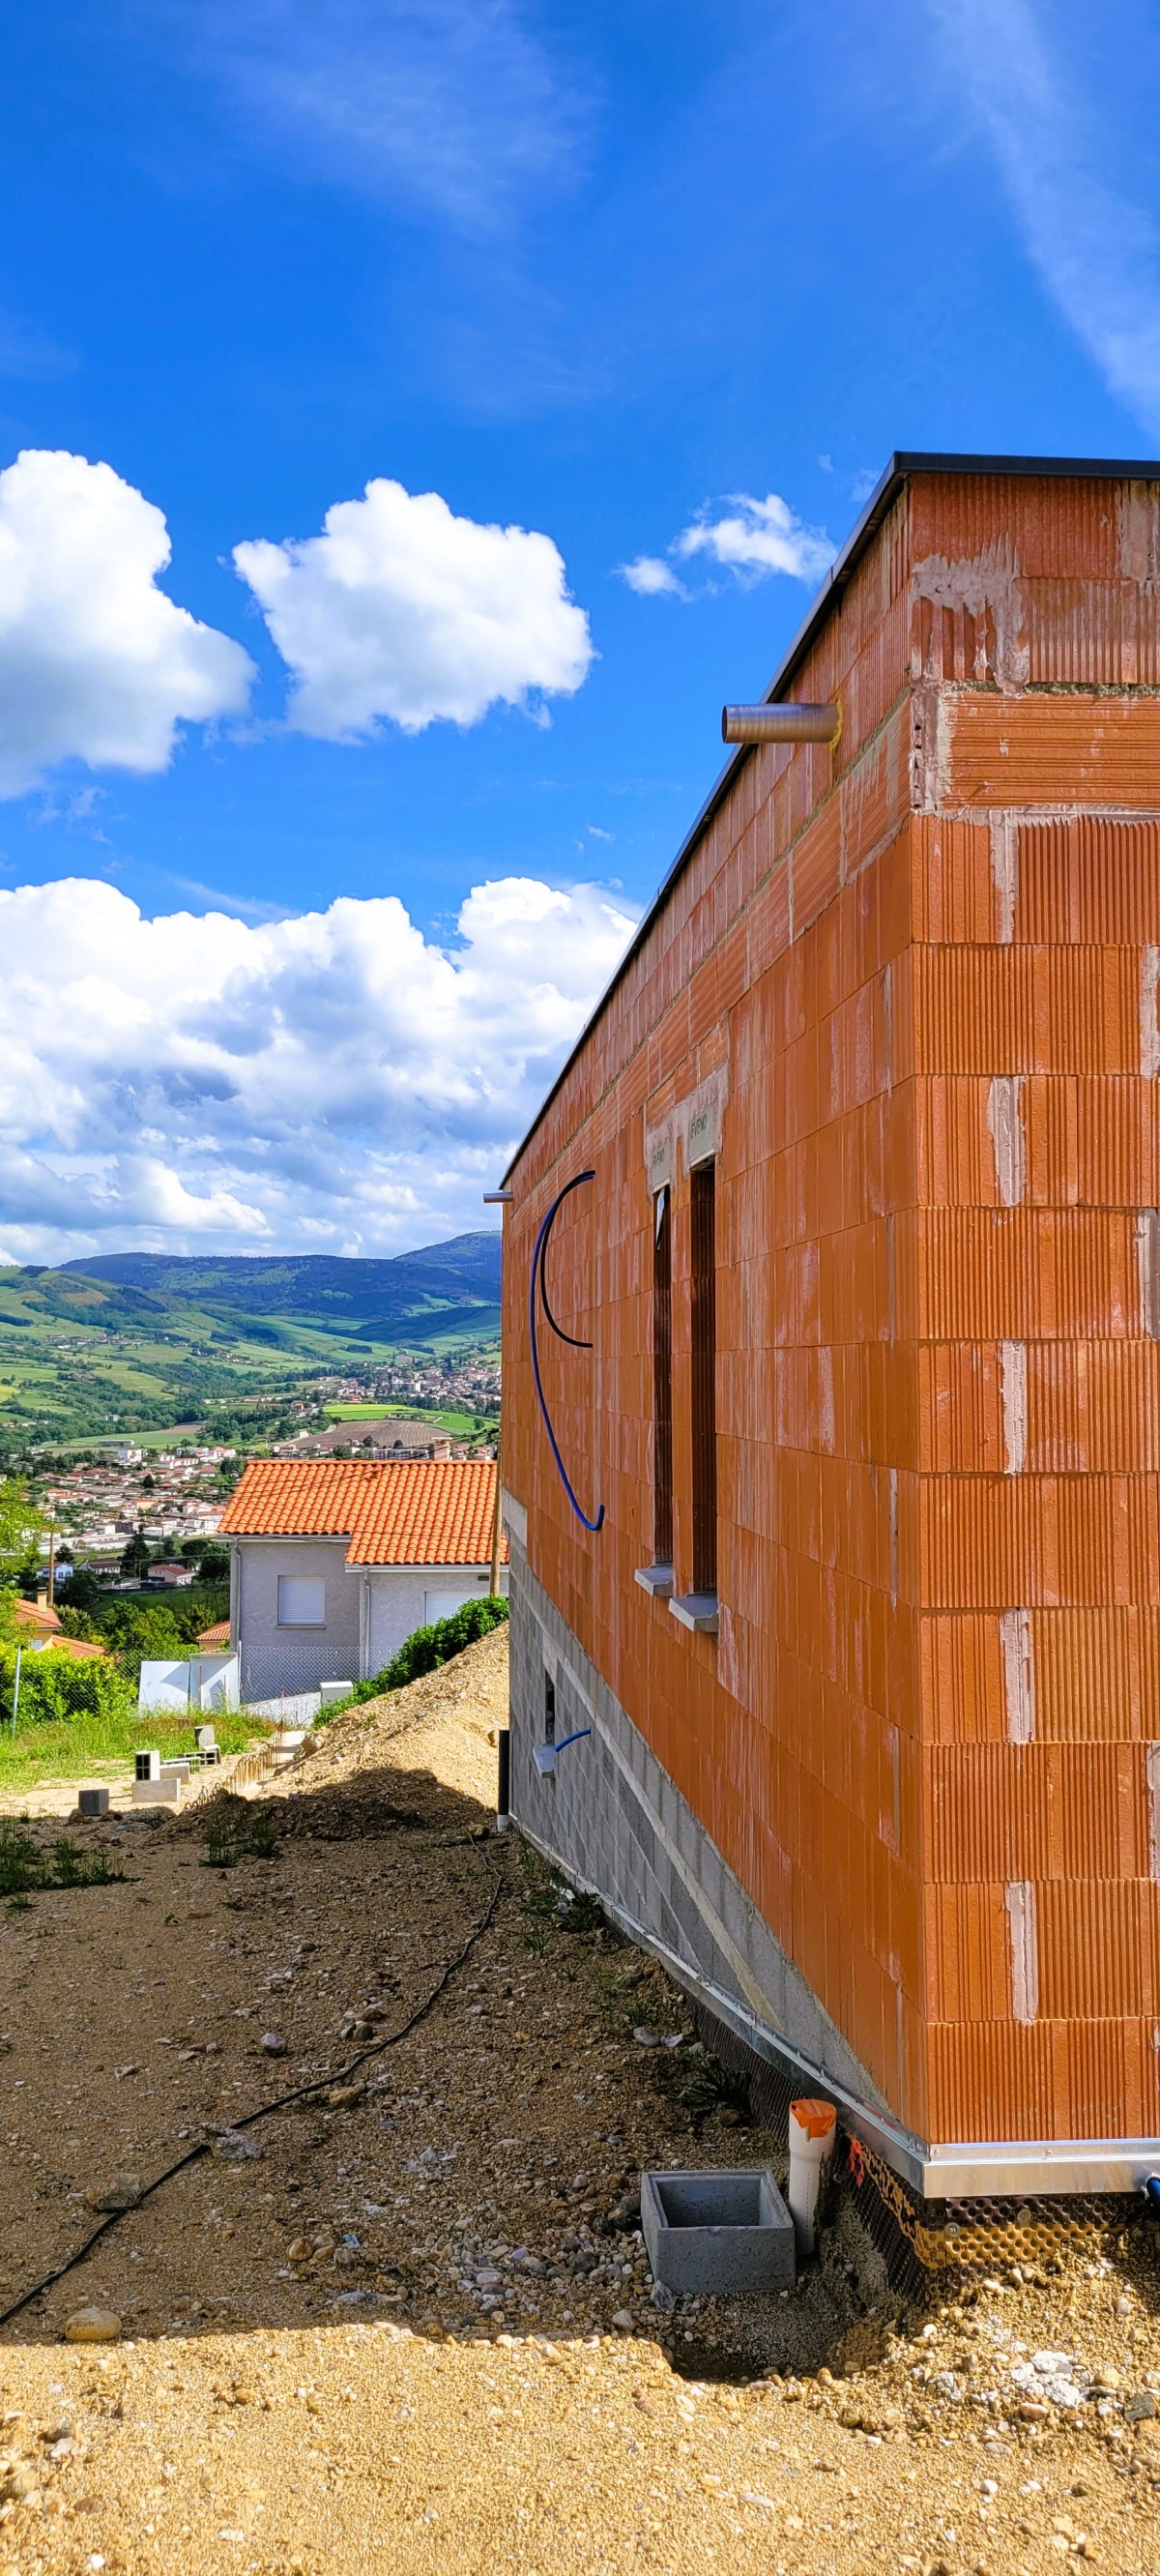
1097,252
748,538
96,663
400,610
328,1082
652,578
758,537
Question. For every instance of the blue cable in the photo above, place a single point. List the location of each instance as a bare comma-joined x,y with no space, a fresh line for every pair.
538,1258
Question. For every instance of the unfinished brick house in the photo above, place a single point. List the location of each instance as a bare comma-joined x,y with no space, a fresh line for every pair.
835,1536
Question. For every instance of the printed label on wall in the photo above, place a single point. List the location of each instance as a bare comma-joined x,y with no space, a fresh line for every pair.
659,1157
701,1133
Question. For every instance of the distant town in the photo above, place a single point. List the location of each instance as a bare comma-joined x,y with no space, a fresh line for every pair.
103,1499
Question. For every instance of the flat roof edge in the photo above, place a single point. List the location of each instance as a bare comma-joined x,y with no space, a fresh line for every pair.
903,463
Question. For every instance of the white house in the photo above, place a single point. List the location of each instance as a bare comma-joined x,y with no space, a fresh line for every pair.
334,1561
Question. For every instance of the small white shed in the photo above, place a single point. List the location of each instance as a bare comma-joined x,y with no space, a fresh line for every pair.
197,1687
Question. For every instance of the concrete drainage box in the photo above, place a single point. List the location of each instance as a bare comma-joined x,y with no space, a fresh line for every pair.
712,2233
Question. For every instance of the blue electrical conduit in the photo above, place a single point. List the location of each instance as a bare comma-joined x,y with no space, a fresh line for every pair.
544,1755
539,1258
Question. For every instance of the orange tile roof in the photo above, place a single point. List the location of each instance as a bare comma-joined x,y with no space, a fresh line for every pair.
408,1511
209,1639
47,1631
36,1614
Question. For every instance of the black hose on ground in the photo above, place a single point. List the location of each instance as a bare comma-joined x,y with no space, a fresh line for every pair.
265,2110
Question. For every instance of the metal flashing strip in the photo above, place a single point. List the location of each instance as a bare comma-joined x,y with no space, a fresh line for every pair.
1005,2169
903,463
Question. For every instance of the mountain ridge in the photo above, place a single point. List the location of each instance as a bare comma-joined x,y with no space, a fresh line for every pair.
128,1340
462,1273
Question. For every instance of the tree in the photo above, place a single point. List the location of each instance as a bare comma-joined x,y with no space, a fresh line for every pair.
211,1559
20,1526
135,1558
143,1630
82,1593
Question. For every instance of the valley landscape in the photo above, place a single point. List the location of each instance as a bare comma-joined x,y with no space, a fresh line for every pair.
149,1343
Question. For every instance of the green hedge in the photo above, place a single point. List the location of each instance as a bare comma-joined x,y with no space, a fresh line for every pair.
56,1686
426,1648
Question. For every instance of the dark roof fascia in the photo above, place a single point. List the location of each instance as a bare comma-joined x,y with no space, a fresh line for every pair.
903,463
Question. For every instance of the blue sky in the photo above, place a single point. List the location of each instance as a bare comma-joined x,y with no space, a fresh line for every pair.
661,283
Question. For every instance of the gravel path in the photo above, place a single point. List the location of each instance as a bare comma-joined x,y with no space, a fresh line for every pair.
416,2331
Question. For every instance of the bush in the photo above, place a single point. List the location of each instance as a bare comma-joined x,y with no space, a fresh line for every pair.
150,1633
55,1687
159,1629
426,1648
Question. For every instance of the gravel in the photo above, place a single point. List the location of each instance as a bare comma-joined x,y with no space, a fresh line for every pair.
418,2330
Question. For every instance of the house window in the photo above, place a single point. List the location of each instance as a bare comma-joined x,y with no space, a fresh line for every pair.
663,1381
444,1603
549,1709
301,1601
703,1269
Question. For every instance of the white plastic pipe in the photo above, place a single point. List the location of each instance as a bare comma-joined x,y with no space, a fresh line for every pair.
812,2130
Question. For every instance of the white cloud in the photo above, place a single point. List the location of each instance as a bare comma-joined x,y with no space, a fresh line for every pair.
331,1079
96,663
652,578
401,610
749,539
453,107
1097,253
759,537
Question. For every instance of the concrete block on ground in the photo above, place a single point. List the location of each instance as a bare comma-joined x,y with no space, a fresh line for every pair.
717,2233
93,1802
165,1791
328,1692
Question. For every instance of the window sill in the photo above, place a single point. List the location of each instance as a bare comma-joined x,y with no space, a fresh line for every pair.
655,1579
696,1610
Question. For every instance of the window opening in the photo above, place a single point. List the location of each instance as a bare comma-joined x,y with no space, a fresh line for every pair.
549,1709
703,1269
663,1381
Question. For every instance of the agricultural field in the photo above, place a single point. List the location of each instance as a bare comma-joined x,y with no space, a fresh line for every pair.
144,1343
462,1426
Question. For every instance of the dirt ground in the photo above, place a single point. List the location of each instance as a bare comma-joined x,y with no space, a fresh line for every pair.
416,2330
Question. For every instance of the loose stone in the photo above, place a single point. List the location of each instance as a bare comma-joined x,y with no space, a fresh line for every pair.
93,2325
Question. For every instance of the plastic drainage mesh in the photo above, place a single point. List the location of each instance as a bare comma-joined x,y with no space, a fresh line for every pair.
916,2237
771,2088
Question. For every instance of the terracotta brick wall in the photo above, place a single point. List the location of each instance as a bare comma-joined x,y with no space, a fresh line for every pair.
921,969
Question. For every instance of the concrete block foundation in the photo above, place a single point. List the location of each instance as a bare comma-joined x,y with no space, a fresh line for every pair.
614,1822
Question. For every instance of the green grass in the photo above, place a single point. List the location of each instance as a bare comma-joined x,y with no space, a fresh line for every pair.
24,1866
439,1421
84,1747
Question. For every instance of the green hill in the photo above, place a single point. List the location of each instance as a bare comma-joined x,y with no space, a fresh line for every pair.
133,1340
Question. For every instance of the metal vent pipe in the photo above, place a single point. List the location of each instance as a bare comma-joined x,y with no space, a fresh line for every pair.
781,723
